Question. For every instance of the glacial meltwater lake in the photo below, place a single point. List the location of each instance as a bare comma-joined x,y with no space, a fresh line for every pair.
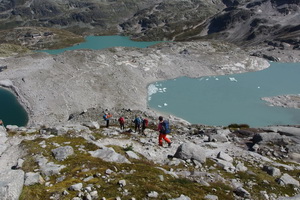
228,99
11,112
102,42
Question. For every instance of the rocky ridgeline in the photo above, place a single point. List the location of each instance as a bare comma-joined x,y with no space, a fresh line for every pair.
86,161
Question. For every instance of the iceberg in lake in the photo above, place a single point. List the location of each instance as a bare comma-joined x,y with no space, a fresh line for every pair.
152,89
232,79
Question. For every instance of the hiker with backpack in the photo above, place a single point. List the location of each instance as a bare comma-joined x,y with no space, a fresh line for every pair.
121,122
163,129
144,125
107,117
137,124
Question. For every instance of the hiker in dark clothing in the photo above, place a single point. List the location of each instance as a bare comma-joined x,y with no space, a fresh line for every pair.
107,117
137,124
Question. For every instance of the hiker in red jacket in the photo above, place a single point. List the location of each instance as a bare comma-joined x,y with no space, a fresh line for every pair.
162,132
121,122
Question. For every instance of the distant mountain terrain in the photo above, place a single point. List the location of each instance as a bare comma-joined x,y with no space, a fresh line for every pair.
268,23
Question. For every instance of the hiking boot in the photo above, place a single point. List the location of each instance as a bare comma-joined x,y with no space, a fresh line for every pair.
169,144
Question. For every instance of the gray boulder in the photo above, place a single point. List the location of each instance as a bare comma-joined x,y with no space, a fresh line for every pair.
12,127
190,151
273,171
217,138
242,192
131,154
11,184
223,156
61,153
76,187
227,166
92,125
286,179
32,178
109,155
51,168
240,167
266,137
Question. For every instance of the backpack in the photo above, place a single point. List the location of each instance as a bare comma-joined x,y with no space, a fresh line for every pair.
165,128
121,120
145,122
137,121
104,117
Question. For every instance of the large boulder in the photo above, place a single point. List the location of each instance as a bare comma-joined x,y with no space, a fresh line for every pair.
109,155
266,137
11,184
190,151
61,153
217,138
286,179
32,178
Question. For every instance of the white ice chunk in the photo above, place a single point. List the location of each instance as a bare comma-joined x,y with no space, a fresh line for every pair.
152,89
232,79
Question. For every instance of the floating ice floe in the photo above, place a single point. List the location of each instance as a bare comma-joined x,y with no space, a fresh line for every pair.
216,79
164,89
165,104
152,89
232,79
159,106
258,87
207,79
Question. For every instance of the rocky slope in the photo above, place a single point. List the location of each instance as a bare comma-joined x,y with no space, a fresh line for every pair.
266,28
88,17
85,161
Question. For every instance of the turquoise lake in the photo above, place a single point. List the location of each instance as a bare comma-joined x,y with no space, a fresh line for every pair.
102,42
11,112
224,100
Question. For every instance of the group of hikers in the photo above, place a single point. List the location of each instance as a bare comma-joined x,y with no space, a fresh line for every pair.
140,124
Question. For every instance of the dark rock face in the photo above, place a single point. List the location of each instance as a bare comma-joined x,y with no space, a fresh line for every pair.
99,15
170,19
257,21
242,22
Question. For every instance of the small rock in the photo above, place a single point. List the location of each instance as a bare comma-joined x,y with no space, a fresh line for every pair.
153,194
76,187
